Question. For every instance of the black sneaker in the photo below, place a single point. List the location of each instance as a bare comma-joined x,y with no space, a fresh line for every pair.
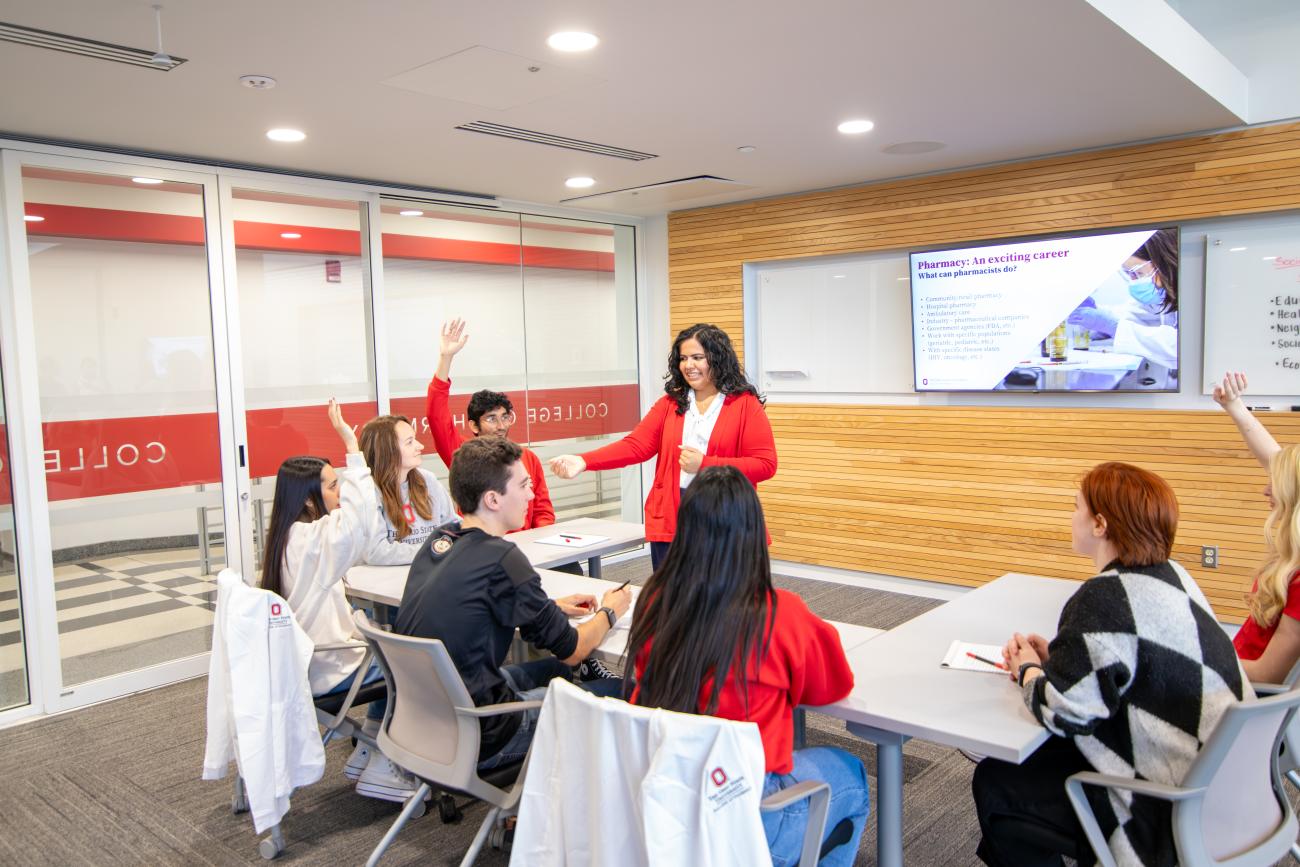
592,668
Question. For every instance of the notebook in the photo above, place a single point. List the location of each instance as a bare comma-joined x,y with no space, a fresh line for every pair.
571,540
959,656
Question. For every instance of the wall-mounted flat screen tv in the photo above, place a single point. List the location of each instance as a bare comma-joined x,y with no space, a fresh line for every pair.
1094,312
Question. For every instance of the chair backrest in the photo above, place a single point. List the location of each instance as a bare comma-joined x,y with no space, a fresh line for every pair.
421,730
631,785
1244,804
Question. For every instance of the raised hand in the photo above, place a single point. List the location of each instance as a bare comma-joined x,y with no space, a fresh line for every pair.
342,428
453,337
1232,388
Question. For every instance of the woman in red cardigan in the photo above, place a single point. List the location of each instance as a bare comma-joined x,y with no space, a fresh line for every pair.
711,415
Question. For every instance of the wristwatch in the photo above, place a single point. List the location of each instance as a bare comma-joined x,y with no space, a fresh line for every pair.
610,615
1024,669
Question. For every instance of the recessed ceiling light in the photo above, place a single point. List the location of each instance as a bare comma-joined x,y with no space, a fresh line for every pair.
147,180
1266,258
285,134
746,149
411,213
853,127
32,218
1235,249
572,40
837,276
580,183
290,236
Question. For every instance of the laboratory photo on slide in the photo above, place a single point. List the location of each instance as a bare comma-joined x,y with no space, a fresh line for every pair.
1121,337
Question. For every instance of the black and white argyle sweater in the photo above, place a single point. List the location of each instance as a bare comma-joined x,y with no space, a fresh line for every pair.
1138,675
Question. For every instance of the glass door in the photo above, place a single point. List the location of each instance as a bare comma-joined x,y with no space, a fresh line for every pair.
140,455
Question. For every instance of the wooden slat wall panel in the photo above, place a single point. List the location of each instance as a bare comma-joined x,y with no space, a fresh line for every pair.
963,494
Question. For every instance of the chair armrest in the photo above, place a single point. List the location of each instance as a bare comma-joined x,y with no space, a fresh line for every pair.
498,709
323,647
785,797
819,801
1141,787
1269,688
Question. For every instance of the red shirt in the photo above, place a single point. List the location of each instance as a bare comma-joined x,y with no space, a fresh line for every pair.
742,437
1252,638
804,664
446,439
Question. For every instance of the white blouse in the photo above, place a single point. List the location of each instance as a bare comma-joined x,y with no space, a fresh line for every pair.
697,428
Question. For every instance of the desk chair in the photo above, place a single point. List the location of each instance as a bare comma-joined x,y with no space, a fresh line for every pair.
610,782
1230,809
431,729
1288,758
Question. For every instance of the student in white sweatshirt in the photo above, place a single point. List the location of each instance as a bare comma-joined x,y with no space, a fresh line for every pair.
321,523
412,502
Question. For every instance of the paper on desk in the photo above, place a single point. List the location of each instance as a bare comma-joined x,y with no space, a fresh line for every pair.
571,540
957,658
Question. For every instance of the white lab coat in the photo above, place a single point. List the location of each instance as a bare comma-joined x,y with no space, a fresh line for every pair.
316,557
612,783
1142,329
260,710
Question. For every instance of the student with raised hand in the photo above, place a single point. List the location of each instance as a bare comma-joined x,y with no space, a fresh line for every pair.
472,589
710,415
320,527
490,413
413,503
712,635
1138,673
1269,641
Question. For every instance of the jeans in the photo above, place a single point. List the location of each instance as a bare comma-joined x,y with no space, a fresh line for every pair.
528,681
849,800
374,674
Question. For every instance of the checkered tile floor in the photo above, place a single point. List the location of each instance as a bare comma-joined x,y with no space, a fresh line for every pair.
116,613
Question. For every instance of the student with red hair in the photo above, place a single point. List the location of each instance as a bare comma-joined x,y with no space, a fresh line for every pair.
1138,673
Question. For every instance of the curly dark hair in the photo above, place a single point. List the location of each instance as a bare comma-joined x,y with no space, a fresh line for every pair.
724,366
484,402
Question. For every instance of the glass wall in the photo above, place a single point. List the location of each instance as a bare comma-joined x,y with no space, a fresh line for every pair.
550,307
303,317
13,657
121,305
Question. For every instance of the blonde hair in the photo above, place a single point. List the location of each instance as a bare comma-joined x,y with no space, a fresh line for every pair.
379,444
1282,536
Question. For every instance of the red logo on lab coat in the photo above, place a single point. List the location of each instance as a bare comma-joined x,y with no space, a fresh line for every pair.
275,609
719,776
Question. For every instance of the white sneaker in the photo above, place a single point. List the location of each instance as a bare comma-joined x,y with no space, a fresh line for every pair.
384,780
357,761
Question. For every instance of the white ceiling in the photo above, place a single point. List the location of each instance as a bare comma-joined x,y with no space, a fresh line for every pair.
689,81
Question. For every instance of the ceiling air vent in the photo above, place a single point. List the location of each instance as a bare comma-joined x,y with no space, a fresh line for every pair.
557,141
87,47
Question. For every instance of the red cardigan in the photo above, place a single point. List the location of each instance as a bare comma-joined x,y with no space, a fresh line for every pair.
742,438
804,665
446,439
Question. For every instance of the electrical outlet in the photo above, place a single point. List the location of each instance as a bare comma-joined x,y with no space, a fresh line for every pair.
1210,556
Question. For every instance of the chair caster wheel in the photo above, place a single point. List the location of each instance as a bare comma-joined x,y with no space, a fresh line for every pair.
420,809
448,811
239,804
268,849
497,837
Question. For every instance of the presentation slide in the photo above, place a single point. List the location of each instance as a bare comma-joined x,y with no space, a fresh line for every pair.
1081,313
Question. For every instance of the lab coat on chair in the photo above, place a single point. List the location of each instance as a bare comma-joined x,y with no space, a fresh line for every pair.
260,710
611,783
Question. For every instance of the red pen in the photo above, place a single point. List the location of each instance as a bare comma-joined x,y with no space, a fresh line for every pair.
979,658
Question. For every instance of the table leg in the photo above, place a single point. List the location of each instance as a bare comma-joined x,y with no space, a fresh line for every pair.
889,792
593,567
800,728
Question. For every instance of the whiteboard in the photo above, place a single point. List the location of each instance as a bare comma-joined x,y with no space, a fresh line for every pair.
834,326
1252,309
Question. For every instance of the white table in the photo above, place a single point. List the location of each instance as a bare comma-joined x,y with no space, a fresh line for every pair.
621,534
900,691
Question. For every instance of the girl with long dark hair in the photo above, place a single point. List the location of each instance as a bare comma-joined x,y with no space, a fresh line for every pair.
320,527
710,415
711,635
413,503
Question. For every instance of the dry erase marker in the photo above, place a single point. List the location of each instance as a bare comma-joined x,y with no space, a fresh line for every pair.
979,658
